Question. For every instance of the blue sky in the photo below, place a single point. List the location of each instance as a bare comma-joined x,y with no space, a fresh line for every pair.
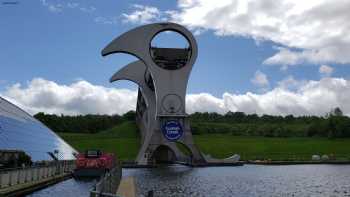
61,41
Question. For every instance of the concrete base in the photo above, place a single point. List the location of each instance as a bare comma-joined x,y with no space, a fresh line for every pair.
155,147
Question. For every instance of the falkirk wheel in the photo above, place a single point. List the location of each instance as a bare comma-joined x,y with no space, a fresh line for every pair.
162,75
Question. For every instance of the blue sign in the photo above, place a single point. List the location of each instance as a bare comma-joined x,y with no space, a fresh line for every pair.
172,130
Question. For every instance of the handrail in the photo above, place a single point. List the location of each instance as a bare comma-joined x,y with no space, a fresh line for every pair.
38,165
108,184
14,176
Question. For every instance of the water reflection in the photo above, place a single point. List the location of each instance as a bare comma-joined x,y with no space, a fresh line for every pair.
68,188
20,131
245,181
249,180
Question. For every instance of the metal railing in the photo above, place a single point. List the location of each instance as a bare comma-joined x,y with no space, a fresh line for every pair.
16,176
108,184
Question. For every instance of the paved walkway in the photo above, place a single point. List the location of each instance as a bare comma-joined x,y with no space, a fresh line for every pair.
127,187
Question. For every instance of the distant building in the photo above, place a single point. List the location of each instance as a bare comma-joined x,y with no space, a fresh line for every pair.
21,132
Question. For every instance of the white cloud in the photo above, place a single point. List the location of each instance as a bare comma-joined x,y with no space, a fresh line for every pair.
52,7
72,5
106,21
142,14
318,29
260,79
286,57
289,83
82,97
88,9
325,70
204,102
311,98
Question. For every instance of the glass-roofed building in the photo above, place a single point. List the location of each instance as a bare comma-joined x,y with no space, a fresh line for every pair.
21,131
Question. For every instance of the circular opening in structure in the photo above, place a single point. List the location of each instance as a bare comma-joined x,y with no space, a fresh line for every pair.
170,50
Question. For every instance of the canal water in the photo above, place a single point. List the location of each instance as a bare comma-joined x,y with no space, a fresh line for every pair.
245,181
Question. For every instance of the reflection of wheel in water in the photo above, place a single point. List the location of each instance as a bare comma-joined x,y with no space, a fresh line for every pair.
172,103
170,58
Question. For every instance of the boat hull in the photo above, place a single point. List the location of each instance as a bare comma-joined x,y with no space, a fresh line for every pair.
89,172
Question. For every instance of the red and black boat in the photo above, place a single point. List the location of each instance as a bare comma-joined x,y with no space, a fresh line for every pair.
94,163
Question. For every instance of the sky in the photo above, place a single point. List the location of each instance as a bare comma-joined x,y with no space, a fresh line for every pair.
265,56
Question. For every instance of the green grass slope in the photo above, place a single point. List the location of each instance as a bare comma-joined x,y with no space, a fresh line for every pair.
123,140
250,148
124,130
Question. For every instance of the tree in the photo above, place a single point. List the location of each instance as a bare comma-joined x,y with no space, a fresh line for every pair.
129,116
337,112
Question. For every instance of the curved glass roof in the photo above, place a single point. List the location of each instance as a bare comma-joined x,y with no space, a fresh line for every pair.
21,131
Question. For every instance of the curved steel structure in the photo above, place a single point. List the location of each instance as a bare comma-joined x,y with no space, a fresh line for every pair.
162,75
21,131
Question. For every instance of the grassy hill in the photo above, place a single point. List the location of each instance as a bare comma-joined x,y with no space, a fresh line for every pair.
222,146
126,129
123,140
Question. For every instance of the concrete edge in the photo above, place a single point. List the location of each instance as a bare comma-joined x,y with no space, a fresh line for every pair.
30,188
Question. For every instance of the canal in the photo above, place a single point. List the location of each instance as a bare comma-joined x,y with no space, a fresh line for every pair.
245,181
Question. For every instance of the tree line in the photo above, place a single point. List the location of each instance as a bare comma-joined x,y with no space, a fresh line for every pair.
90,123
332,125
